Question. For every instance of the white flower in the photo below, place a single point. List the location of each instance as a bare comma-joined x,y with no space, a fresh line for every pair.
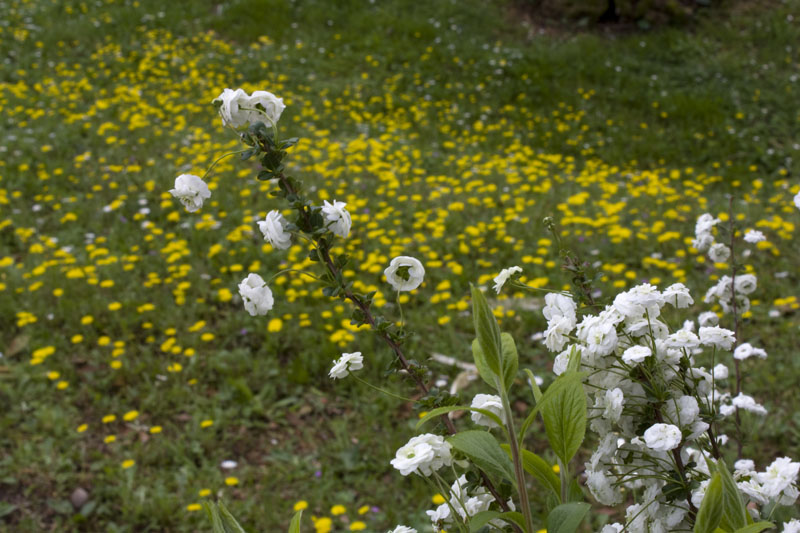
719,253
753,236
636,354
704,223
708,318
267,106
678,295
614,401
229,103
743,401
746,350
558,329
602,489
403,529
612,528
793,525
491,403
256,295
423,455
716,336
745,283
683,338
720,372
228,465
439,516
702,242
797,200
641,299
503,276
273,228
599,335
558,305
191,191
338,217
662,437
778,476
414,270
346,364
683,411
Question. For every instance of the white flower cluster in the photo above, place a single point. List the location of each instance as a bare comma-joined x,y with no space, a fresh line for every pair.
651,400
466,504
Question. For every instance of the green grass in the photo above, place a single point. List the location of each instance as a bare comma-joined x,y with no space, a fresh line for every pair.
556,115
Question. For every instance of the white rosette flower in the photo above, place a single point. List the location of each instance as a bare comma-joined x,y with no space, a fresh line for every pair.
273,227
719,253
257,296
708,318
403,529
754,236
678,295
413,269
191,191
705,223
636,354
560,312
640,300
743,401
793,525
229,107
797,200
779,476
503,277
745,283
747,350
717,337
662,437
337,217
491,403
264,107
423,455
347,363
599,335
683,339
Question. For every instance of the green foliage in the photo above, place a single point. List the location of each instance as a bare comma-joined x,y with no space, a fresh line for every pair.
294,526
222,521
539,469
734,514
488,335
710,513
484,450
567,517
565,420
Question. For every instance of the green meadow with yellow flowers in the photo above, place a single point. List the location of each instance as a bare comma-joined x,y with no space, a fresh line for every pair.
134,386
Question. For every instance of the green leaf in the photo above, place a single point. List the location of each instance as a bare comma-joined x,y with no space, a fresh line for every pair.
484,450
442,410
294,527
565,420
484,371
566,517
538,468
564,380
213,515
510,363
487,331
537,392
710,513
755,528
228,521
484,517
734,514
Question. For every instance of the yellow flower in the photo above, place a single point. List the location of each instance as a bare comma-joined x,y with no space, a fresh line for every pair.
336,510
275,325
299,506
192,507
130,415
206,423
155,430
358,526
82,428
109,418
438,499
204,492
110,439
364,509
231,481
61,385
127,463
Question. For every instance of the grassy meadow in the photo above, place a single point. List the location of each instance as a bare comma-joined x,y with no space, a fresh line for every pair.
129,367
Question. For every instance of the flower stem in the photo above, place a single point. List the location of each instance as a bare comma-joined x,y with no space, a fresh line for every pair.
519,472
220,158
370,385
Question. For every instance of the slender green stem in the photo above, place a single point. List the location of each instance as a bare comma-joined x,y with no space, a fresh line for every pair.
563,474
370,385
400,307
453,512
519,472
284,271
220,158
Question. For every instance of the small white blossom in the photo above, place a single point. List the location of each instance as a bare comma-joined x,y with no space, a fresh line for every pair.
338,218
229,102
273,229
257,296
423,455
743,401
191,191
678,295
414,270
491,403
708,318
346,364
797,200
753,236
793,525
717,336
264,105
503,277
636,354
662,437
683,339
746,350
778,476
745,283
704,223
403,529
719,253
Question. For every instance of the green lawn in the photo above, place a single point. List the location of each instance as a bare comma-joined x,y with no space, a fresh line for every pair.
450,129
